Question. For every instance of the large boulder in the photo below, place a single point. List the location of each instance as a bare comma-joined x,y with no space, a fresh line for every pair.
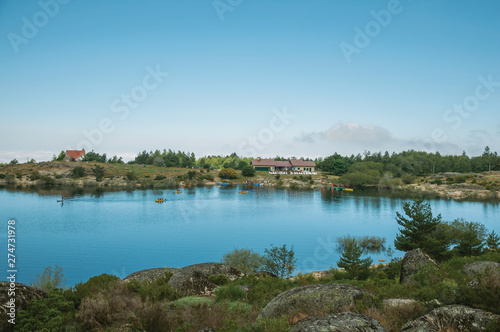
344,321
413,262
475,268
191,282
23,295
150,274
312,300
452,318
216,268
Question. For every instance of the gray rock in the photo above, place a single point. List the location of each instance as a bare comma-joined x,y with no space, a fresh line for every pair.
312,300
23,295
216,268
475,268
398,302
191,282
151,274
413,262
344,321
452,318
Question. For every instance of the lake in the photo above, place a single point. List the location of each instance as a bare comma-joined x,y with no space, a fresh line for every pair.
123,232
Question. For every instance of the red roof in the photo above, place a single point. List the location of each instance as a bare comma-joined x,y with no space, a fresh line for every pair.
302,163
283,164
75,153
264,162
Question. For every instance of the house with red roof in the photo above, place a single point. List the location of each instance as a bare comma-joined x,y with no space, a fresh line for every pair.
75,154
291,165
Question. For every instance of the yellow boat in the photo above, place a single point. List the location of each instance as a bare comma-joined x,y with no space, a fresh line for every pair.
348,189
178,191
161,200
244,192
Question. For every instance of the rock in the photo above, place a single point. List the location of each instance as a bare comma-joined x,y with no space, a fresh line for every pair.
452,318
246,288
216,268
23,295
344,321
475,268
398,302
414,261
191,282
207,329
311,300
150,274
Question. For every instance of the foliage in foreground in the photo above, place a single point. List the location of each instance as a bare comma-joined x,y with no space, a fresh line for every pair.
245,260
279,261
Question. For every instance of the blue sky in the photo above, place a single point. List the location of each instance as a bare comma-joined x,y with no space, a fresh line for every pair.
260,78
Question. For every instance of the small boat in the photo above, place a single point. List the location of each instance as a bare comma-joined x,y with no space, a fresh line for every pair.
160,200
244,192
348,189
178,191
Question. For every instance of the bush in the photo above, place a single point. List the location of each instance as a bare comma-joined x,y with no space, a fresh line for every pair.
19,175
408,178
78,172
46,181
49,279
95,285
353,264
219,279
160,177
244,260
230,292
34,176
131,176
14,162
53,313
248,171
279,261
156,290
228,173
2,175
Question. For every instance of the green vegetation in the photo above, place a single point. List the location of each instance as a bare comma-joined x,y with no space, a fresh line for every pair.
279,261
419,230
493,241
248,170
49,279
78,172
351,261
99,172
244,260
228,173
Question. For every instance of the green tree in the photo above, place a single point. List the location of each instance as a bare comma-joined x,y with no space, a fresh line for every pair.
228,173
493,241
49,280
14,162
468,236
98,172
351,261
279,260
248,170
61,156
78,172
419,230
244,260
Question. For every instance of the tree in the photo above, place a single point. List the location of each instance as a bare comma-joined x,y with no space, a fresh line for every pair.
228,173
14,161
78,172
493,241
244,260
351,261
49,279
280,261
61,156
469,237
248,170
419,230
98,172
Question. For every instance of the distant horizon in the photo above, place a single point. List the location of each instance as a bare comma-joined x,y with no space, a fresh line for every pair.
251,77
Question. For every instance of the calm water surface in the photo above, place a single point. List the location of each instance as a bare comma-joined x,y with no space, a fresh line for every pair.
123,232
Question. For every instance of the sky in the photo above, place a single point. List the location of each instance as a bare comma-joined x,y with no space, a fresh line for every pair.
259,78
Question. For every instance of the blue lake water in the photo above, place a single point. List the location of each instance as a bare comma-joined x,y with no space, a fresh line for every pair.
123,232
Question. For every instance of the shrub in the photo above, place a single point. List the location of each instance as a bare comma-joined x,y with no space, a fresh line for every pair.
95,285
160,177
408,178
19,175
244,260
248,171
58,176
14,162
351,261
156,290
493,241
46,181
78,172
279,261
53,313
131,176
34,176
49,279
219,279
98,172
191,174
230,292
228,173
2,175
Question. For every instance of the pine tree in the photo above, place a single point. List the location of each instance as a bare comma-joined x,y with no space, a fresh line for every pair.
493,241
351,261
419,230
